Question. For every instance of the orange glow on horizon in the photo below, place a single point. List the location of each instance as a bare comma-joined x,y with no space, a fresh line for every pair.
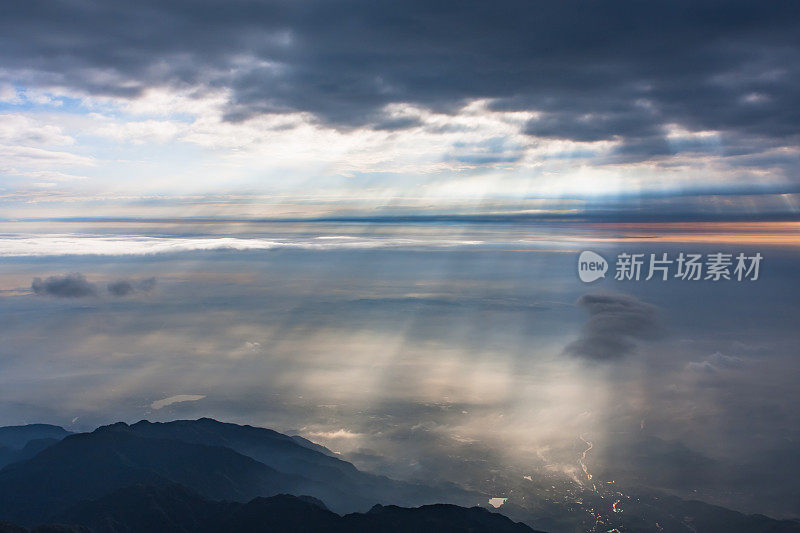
748,233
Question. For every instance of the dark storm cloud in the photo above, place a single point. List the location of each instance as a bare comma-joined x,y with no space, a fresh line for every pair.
616,323
77,286
69,286
125,287
596,70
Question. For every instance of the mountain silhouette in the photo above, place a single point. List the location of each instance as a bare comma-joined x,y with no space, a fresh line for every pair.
305,459
176,509
16,437
206,476
90,465
216,460
18,443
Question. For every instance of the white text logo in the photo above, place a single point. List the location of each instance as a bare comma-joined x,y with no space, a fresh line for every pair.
591,267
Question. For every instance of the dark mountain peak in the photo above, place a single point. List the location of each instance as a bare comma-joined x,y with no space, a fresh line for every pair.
88,465
245,439
208,427
355,490
439,518
116,426
313,501
18,436
443,507
299,502
33,427
208,420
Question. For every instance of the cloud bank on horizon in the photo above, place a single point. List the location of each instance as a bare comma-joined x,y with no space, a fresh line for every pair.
381,101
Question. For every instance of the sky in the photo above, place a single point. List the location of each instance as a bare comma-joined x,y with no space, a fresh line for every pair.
308,108
361,221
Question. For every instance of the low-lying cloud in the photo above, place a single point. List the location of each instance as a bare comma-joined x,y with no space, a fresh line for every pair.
76,285
125,287
616,322
69,286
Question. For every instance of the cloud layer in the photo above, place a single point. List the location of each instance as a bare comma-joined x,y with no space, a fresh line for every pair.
591,72
124,287
616,322
76,285
420,101
69,286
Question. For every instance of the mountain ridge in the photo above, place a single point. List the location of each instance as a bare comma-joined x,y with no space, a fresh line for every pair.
230,471
176,509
